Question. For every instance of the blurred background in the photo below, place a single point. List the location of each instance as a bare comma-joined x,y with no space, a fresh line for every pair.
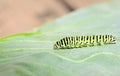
23,15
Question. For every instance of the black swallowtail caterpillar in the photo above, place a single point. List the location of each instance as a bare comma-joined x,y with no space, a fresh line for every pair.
84,41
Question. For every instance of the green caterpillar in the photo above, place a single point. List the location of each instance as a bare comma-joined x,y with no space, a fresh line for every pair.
84,41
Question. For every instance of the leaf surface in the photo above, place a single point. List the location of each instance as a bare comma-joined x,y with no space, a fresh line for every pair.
32,54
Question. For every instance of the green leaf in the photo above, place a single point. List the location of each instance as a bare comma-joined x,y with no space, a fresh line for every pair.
32,54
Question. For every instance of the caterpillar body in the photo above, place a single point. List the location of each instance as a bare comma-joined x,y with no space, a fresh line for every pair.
84,41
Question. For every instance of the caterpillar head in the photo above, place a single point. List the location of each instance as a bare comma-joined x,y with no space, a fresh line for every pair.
113,40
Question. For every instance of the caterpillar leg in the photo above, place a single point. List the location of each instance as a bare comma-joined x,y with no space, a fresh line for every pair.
85,45
80,45
91,44
69,46
105,42
77,45
99,43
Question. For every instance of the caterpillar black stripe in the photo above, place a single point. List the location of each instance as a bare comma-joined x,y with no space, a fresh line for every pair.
84,41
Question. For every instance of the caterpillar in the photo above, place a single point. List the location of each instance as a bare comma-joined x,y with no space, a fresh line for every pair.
84,41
